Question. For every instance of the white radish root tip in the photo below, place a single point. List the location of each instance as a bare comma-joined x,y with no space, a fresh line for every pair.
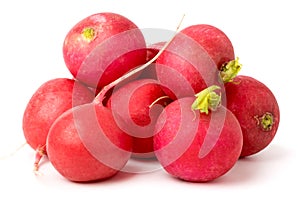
13,152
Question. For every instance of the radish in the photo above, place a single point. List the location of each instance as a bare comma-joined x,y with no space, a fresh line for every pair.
102,47
194,146
194,59
49,101
135,104
85,144
257,110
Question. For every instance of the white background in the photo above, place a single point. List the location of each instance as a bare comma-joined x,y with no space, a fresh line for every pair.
265,35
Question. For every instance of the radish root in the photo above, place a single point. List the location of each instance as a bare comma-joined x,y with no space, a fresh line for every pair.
40,153
14,152
158,99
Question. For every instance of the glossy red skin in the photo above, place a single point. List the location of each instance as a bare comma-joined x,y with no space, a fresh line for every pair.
142,94
48,102
214,41
87,158
207,46
189,166
248,99
100,70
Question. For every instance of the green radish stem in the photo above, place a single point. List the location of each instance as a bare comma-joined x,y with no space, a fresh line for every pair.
207,100
99,98
230,70
266,121
88,34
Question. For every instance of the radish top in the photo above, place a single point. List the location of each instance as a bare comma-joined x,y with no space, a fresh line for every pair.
230,70
266,121
207,99
88,34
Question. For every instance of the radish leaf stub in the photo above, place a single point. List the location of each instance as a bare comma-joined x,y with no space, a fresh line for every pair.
230,70
266,121
88,34
207,99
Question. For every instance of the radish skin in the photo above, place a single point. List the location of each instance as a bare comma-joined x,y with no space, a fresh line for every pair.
257,110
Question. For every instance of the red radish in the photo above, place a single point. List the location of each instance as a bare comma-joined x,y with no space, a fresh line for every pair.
257,110
48,102
85,144
194,59
102,47
197,147
133,103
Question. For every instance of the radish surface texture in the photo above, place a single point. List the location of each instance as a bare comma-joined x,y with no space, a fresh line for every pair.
48,102
192,61
85,144
102,47
257,110
133,104
197,147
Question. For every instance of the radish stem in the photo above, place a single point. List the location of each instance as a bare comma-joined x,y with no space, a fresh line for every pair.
230,70
266,121
158,99
207,99
88,34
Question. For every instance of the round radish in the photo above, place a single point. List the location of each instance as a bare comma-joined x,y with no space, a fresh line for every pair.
85,144
257,110
49,101
133,103
102,47
197,147
194,58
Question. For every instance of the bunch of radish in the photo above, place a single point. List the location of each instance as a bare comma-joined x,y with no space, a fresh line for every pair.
180,102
